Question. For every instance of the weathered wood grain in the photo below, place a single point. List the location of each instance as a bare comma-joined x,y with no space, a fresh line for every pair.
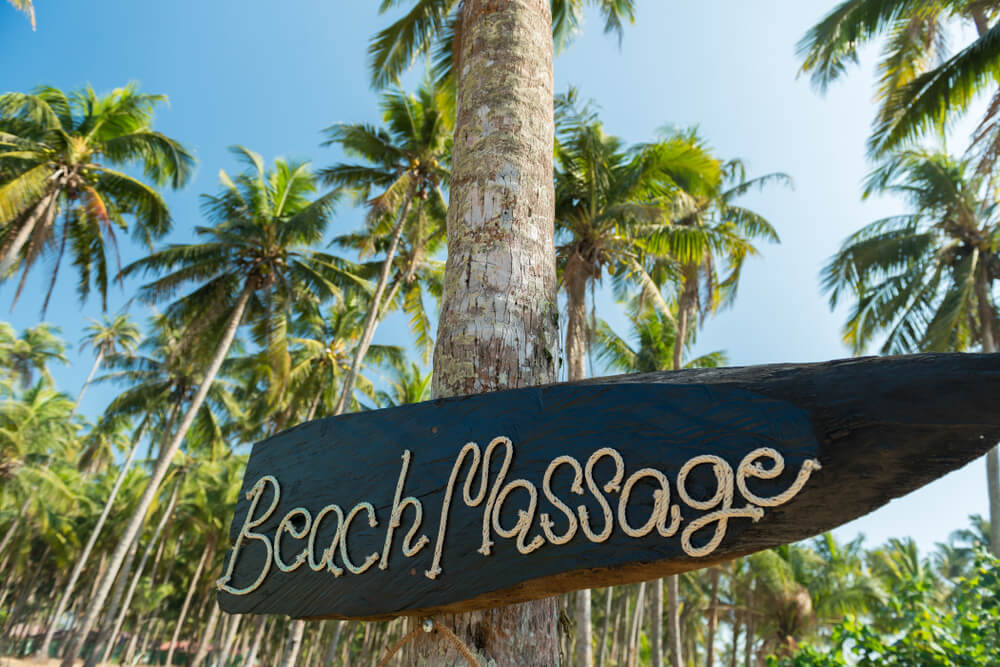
880,427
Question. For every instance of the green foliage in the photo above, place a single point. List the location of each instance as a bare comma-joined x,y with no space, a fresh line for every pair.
966,632
58,190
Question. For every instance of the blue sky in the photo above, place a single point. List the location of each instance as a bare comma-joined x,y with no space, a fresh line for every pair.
271,75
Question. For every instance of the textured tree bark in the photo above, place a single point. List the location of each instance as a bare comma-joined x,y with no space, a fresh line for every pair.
636,628
713,618
656,627
258,634
498,324
602,647
575,277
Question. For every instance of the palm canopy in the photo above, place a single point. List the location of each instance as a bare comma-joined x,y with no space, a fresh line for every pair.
433,28
112,335
266,226
921,84
58,187
31,352
409,153
923,279
610,197
656,335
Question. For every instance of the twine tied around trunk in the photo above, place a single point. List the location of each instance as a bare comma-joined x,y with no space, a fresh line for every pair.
431,626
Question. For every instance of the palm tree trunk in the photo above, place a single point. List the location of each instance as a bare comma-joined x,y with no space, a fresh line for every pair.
713,618
748,642
82,559
192,587
371,321
14,525
331,653
656,643
90,376
674,621
584,644
99,655
208,636
258,636
13,249
153,543
160,471
498,324
636,628
295,643
603,647
575,277
686,305
987,318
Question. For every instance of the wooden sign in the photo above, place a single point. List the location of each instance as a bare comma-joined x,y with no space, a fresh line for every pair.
478,501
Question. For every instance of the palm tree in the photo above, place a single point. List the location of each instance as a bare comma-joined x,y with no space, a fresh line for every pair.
31,353
656,334
708,230
609,201
925,279
921,86
253,265
407,385
56,157
36,435
403,161
27,7
108,337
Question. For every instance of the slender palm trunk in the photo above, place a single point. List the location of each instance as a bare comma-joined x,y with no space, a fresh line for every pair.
576,362
602,647
99,654
258,636
371,321
636,627
208,636
498,325
153,543
748,641
160,471
674,621
90,376
14,525
297,631
192,587
686,305
12,251
713,618
575,277
987,318
331,653
82,559
656,629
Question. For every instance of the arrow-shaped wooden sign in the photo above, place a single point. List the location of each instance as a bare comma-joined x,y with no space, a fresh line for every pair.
478,501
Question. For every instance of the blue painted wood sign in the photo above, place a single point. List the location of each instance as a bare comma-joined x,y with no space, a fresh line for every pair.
478,501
